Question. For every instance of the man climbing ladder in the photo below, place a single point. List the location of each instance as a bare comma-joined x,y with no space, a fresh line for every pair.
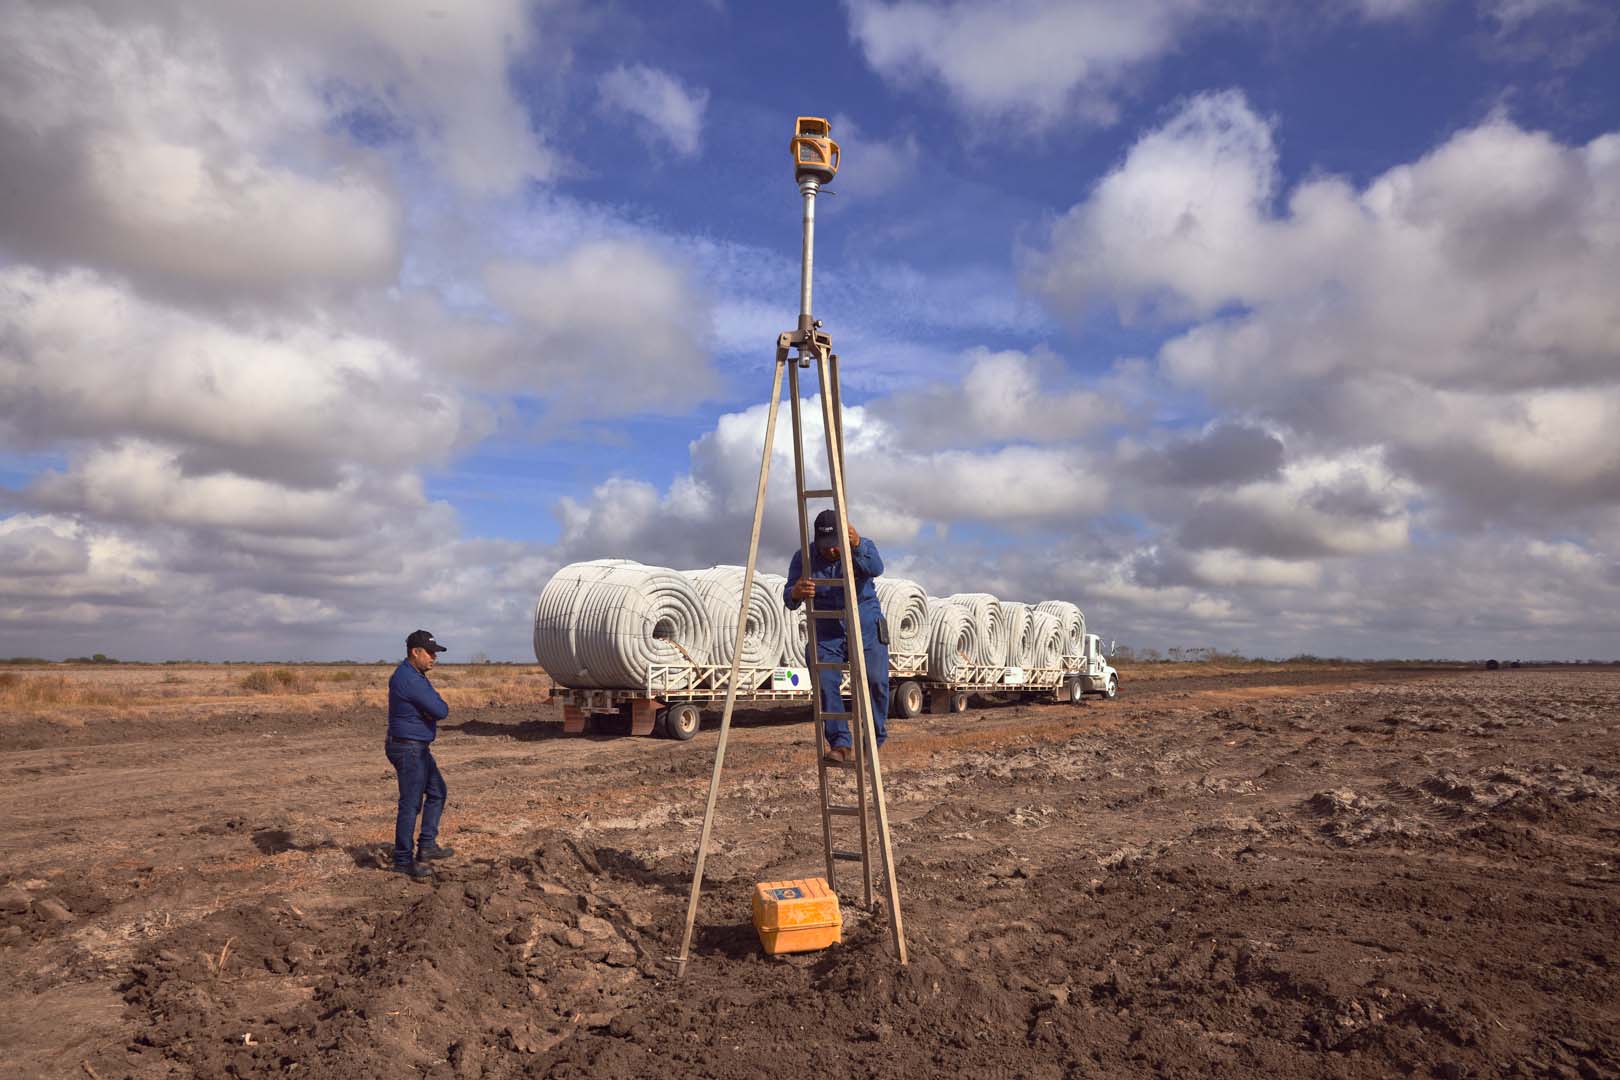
831,639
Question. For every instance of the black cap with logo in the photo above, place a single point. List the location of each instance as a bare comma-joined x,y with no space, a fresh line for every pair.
421,639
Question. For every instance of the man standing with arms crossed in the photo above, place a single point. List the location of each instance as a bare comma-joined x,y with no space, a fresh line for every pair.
832,641
414,712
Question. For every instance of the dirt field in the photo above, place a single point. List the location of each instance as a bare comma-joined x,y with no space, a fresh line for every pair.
1263,873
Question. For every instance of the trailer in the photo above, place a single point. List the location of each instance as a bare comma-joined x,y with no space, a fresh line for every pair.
1004,683
671,701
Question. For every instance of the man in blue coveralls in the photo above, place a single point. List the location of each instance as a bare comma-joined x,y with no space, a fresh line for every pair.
414,712
832,643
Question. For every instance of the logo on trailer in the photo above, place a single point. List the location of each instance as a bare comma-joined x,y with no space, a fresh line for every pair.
787,678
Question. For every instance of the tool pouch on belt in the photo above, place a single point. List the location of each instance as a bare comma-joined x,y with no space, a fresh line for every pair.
883,630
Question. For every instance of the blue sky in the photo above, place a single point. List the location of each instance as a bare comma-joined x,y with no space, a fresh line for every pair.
1272,327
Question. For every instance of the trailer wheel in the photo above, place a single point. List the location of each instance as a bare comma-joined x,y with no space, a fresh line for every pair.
1113,688
959,701
661,724
682,721
1077,691
907,700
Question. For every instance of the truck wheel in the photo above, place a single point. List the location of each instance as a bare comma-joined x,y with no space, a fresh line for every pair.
959,701
682,721
1077,691
907,700
1113,688
661,724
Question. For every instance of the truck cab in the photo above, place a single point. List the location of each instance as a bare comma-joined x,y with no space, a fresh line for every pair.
1097,675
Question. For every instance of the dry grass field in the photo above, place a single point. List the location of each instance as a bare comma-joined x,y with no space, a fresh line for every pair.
76,693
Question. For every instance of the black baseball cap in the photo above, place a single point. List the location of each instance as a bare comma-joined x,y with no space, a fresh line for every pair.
826,525
421,639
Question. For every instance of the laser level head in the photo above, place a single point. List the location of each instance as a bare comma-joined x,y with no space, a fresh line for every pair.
815,155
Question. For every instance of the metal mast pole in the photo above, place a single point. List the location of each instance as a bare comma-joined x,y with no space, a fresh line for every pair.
808,187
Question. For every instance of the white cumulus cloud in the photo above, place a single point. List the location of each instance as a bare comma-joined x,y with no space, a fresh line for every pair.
667,112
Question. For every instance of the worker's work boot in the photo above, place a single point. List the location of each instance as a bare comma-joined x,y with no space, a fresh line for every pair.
433,852
838,755
414,871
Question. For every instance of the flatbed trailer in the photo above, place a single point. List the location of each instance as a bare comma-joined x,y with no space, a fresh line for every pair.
1002,682
672,700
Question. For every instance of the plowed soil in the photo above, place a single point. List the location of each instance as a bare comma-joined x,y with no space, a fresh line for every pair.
1359,873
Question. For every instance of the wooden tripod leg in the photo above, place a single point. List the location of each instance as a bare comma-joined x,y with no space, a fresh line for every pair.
731,687
860,691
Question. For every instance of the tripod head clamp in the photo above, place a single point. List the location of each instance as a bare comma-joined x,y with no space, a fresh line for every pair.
808,339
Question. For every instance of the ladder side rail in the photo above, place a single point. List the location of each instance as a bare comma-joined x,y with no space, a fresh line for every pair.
861,691
813,656
863,718
838,415
731,689
859,718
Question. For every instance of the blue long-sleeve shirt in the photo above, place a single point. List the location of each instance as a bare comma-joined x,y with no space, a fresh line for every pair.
414,707
831,639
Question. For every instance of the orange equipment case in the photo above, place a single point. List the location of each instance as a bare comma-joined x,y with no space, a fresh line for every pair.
796,916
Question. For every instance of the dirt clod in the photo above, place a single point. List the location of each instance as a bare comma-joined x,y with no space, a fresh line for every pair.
53,911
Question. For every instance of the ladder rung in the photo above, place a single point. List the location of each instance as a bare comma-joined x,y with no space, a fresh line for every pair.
836,665
818,493
849,856
844,811
830,582
829,613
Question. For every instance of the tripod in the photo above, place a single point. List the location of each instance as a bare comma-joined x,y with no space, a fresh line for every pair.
816,159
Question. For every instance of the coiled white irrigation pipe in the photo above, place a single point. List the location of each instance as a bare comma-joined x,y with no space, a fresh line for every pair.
1074,624
1046,638
798,638
905,608
556,614
1015,628
953,640
792,646
986,612
608,623
763,629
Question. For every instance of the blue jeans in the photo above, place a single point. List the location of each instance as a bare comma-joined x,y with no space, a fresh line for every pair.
877,682
421,790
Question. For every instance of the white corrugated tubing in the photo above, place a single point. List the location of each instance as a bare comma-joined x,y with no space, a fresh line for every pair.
986,612
953,640
792,621
721,588
1046,639
905,607
798,637
1015,629
1074,624
608,622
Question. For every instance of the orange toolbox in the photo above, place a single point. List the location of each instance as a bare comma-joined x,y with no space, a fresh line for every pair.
796,916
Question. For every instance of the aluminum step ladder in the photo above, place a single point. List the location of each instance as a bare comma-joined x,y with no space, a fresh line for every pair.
805,347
